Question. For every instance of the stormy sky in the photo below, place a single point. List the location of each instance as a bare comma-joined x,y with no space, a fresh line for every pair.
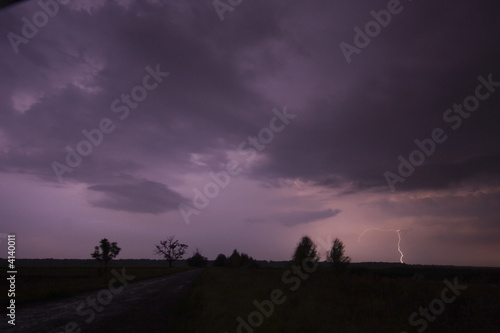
247,124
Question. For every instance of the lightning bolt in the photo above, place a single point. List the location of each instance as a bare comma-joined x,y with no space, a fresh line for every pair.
385,230
399,247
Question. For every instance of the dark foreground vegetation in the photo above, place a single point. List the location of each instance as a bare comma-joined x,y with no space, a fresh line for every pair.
356,299
309,297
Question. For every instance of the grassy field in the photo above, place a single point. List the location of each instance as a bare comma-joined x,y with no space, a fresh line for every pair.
358,300
283,300
35,284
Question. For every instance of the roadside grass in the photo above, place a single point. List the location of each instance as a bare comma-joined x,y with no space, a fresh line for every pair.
34,284
331,301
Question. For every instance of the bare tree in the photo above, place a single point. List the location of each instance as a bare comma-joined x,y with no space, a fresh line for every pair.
108,251
171,249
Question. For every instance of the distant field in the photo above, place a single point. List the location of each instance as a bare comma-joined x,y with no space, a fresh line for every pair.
361,300
48,283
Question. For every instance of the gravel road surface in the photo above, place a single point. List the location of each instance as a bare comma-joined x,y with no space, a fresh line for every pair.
144,306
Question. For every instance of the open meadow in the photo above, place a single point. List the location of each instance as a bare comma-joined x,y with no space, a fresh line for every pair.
356,300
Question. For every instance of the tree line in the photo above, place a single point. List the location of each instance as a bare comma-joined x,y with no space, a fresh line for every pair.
171,249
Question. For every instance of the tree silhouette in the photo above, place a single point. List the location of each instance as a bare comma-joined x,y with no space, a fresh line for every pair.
108,251
244,259
197,260
235,259
247,261
336,254
221,260
171,249
305,249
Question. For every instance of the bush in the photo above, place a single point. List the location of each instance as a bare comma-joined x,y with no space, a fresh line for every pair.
236,260
220,261
197,260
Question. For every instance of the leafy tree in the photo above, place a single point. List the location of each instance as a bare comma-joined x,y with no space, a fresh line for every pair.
235,259
248,262
108,251
220,261
336,254
171,249
197,260
244,259
305,249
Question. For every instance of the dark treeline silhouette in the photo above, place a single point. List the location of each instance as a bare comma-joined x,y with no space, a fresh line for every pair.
172,250
197,260
236,260
307,250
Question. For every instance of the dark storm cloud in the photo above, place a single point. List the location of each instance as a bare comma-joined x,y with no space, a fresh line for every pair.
456,207
196,109
202,102
482,170
403,83
142,197
304,217
299,217
357,118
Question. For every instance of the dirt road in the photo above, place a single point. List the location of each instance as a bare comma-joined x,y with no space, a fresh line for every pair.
145,306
